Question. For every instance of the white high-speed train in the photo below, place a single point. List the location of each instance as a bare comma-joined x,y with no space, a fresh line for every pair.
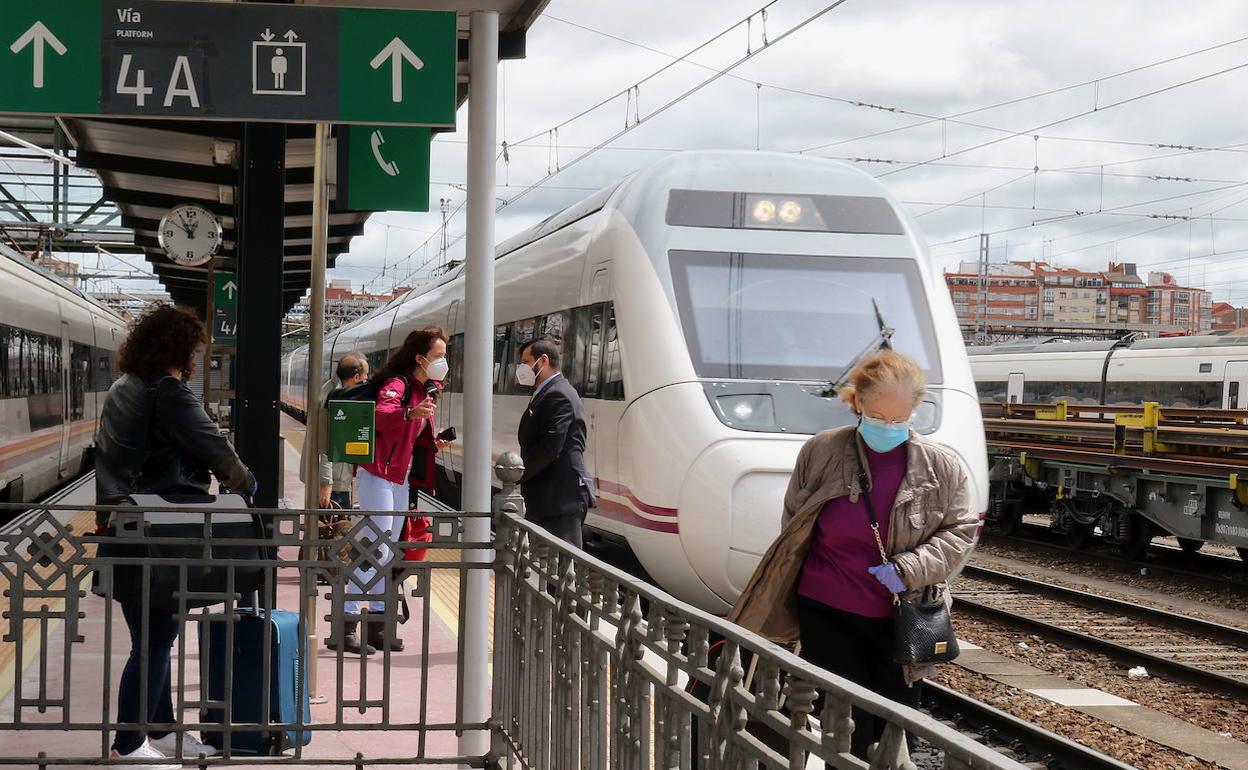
1199,372
57,360
703,305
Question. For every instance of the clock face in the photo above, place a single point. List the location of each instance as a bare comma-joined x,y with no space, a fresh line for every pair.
190,234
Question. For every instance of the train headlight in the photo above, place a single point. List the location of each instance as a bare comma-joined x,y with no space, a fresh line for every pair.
748,411
790,212
764,211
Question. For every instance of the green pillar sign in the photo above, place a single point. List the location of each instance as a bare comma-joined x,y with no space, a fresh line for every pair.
224,308
383,168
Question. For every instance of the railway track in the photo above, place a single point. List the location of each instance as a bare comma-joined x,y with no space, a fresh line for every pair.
1219,573
1031,744
1209,655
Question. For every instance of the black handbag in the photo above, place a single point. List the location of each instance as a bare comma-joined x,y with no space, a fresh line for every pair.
184,535
923,630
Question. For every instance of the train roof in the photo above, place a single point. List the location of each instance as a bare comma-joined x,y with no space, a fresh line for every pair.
1052,345
1061,346
19,260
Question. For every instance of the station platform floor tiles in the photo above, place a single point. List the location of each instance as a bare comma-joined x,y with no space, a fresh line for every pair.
87,672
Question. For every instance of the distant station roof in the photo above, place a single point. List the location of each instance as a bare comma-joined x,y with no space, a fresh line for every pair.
148,166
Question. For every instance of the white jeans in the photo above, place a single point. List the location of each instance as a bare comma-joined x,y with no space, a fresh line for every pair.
376,494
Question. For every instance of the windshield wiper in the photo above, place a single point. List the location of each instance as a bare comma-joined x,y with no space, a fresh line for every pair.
882,341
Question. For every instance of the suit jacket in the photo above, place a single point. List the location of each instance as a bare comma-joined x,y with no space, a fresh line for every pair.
552,444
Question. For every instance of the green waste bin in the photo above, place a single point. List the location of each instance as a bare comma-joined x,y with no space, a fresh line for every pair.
351,431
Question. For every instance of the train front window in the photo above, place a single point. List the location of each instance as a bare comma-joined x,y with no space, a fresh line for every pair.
790,317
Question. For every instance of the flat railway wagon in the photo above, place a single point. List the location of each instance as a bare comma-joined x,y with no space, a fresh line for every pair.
57,360
703,304
1071,429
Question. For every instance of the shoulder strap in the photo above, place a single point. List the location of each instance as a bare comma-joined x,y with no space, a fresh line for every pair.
875,524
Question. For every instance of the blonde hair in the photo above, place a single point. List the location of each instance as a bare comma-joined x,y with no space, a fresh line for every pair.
884,370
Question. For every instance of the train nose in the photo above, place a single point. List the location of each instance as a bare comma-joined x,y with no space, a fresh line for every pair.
730,507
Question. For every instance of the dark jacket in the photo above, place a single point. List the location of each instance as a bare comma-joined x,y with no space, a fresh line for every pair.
552,445
155,437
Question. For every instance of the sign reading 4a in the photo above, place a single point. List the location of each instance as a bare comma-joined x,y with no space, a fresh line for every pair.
50,50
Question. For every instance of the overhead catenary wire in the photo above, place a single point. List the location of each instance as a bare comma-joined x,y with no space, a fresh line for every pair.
687,93
1076,116
1039,95
928,119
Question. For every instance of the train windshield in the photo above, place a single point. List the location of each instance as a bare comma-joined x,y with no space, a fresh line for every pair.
790,317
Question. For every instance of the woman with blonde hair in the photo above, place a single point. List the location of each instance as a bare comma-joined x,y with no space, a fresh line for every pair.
823,580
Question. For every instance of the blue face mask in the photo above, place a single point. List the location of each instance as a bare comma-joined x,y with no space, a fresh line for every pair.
882,436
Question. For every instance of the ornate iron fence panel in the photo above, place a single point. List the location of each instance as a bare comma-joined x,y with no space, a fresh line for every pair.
596,669
591,668
235,597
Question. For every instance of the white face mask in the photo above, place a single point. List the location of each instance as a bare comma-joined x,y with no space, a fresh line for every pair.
525,375
437,370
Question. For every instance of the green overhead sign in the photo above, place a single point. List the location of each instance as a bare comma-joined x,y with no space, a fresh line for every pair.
383,168
228,61
224,307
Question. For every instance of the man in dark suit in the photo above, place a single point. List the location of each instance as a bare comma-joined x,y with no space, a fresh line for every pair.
557,489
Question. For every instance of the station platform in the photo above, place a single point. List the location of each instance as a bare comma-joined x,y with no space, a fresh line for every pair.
432,656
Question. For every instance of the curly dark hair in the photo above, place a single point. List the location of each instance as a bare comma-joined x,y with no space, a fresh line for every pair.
163,338
403,360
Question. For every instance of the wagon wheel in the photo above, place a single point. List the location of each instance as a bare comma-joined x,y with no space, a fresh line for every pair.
1009,519
1189,545
1136,544
1079,535
1243,554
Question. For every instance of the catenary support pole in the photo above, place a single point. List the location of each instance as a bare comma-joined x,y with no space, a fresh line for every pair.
316,337
478,364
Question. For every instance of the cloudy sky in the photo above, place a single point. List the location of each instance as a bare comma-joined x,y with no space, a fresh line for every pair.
942,99
920,59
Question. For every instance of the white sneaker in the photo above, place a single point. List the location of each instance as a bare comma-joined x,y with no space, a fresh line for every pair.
191,747
145,751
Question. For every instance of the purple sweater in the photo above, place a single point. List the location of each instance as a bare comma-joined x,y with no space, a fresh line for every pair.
842,546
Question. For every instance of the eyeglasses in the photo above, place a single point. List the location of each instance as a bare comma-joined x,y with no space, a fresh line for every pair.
887,423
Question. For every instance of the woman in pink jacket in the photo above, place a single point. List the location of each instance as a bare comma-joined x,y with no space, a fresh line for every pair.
382,484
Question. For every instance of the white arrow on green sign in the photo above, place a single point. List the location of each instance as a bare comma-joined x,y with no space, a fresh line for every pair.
224,308
39,36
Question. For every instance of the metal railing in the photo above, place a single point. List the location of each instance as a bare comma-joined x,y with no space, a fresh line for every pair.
591,668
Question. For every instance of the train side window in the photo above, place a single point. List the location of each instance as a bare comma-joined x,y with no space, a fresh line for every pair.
613,370
576,348
1232,395
522,332
455,361
555,325
4,362
593,357
502,356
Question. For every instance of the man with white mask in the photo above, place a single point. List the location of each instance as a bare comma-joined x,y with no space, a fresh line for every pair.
557,489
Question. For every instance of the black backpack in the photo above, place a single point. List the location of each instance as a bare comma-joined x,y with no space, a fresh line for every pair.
368,391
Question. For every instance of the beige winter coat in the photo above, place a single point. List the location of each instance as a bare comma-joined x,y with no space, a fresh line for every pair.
931,527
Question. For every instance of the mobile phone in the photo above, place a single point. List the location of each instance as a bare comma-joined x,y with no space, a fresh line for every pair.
447,435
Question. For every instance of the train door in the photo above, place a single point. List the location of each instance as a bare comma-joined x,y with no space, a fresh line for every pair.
1014,388
66,384
602,413
1235,385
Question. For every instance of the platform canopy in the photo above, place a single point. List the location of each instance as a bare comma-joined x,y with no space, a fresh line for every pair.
146,166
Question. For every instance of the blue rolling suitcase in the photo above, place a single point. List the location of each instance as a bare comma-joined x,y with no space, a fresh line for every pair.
288,651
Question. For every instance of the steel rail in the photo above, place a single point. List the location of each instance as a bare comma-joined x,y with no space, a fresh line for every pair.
1236,637
1038,741
1195,675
